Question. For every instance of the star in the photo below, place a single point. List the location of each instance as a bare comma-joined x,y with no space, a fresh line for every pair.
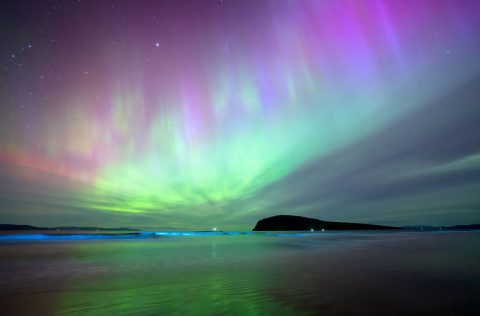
157,44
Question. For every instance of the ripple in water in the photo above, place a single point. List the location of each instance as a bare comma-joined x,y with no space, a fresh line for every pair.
395,273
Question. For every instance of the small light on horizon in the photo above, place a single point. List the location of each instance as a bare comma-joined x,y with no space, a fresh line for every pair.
214,229
323,229
311,229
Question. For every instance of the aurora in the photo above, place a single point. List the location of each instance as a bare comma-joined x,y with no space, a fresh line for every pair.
200,114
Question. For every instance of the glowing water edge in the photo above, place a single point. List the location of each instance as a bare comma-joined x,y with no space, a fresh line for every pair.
330,273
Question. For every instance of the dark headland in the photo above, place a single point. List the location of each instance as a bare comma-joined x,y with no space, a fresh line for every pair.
291,222
7,227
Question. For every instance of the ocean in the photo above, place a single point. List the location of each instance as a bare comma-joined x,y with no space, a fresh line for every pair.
319,273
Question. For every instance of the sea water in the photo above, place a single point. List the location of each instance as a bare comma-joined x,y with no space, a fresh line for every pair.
319,273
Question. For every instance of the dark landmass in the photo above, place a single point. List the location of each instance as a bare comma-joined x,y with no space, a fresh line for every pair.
464,227
63,228
291,222
456,227
420,227
102,229
20,227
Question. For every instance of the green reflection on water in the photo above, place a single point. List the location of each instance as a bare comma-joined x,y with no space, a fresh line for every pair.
197,276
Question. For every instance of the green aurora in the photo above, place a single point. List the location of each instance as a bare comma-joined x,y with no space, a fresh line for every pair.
340,111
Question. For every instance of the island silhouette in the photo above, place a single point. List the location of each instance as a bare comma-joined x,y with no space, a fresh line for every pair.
301,223
293,222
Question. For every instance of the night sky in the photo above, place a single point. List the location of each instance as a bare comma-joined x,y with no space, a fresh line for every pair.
200,114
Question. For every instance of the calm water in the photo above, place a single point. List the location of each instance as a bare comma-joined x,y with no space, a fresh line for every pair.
394,273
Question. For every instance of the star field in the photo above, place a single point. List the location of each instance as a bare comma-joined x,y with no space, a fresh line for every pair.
195,114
